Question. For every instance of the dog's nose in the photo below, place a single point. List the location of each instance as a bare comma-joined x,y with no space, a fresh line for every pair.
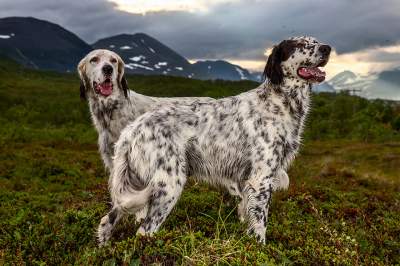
107,70
325,49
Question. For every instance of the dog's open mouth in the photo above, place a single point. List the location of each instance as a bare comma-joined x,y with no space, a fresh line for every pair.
313,73
105,88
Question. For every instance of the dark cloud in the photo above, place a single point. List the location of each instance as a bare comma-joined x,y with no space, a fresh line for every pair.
240,30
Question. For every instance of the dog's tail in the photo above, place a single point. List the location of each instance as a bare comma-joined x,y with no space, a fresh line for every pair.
128,187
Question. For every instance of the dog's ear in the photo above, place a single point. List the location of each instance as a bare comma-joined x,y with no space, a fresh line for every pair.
123,84
273,70
82,90
84,80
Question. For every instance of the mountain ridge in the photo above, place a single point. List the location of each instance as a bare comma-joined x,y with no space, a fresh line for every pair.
41,44
146,55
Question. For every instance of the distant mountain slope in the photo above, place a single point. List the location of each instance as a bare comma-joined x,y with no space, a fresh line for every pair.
217,69
323,87
385,85
145,55
391,76
40,44
44,45
347,80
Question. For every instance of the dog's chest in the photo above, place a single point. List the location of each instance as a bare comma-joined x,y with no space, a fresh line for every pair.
109,116
287,125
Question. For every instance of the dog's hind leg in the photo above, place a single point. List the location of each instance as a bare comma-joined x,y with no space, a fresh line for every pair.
165,195
123,203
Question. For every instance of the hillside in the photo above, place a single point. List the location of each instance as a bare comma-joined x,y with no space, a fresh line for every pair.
40,44
43,45
342,206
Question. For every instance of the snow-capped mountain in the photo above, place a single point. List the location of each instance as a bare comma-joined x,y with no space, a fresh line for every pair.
384,85
347,80
145,55
43,45
40,44
216,69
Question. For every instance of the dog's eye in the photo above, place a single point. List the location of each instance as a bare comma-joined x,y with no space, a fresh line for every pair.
113,60
94,60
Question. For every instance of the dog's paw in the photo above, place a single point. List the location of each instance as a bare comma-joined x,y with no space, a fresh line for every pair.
258,233
104,231
141,214
281,181
142,232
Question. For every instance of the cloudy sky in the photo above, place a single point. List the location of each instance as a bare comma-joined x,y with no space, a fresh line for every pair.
365,34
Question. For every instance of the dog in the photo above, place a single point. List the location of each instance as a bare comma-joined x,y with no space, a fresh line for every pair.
112,104
241,143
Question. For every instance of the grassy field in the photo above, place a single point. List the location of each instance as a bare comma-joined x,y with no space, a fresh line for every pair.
342,207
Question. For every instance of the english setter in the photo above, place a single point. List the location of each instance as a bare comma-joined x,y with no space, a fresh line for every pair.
112,105
240,142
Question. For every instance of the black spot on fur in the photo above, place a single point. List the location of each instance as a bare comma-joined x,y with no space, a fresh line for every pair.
160,162
82,91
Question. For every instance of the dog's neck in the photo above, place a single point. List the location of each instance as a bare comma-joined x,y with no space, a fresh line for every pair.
103,110
295,96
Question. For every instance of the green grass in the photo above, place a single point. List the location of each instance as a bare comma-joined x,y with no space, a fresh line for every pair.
342,207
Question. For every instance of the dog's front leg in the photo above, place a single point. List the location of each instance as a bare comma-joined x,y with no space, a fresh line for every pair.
106,150
256,201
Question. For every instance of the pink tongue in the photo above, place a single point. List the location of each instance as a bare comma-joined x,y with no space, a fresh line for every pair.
105,88
311,73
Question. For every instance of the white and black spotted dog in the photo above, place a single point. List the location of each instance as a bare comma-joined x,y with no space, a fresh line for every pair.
112,105
241,143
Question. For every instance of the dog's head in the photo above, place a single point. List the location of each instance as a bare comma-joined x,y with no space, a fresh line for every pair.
102,75
298,58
